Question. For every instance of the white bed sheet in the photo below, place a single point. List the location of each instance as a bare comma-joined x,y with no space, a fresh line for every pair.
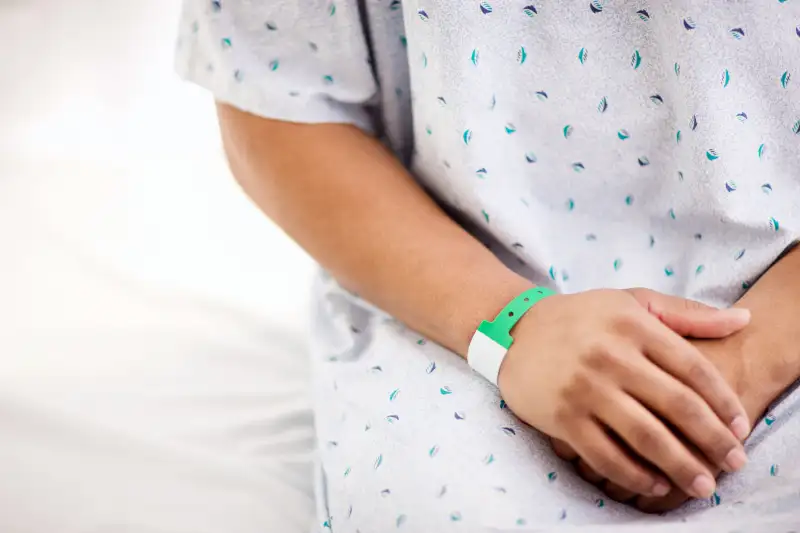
153,375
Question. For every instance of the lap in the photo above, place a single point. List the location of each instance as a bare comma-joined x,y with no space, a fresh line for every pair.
410,436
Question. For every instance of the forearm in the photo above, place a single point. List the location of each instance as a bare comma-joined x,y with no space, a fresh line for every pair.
770,345
345,199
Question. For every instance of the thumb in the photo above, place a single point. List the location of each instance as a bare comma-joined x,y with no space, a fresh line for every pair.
689,318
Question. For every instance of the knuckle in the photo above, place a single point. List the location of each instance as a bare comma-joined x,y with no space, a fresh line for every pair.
627,323
645,440
600,357
699,372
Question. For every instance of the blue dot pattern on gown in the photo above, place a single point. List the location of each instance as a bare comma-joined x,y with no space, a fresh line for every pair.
595,143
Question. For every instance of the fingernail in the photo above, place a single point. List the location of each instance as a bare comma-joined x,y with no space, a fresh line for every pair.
740,427
661,489
735,460
738,313
703,486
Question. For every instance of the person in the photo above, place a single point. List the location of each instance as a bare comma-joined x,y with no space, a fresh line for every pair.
608,171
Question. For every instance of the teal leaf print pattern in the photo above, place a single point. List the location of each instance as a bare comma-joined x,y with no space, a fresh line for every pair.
774,224
274,64
603,105
271,26
591,237
652,241
552,476
445,391
347,471
583,55
596,6
378,462
424,60
669,271
494,102
657,99
689,24
404,41
481,173
636,60
629,199
715,499
442,101
712,155
617,264
489,459
401,519
530,157
678,137
385,492
786,77
552,272
680,176
327,523
739,254
431,368
395,5
375,369
226,43
509,431
796,127
578,167
677,69
434,451
530,10
503,404
643,162
467,136
332,9
567,131
522,55
510,128
393,395
238,75
475,57
216,6
693,123
766,188
455,516
699,270
327,79
485,8
725,80
422,14
737,33
599,502
730,185
428,130
570,204
485,216
623,134
761,149
671,213
741,117
774,470
644,15
541,95
392,418
769,420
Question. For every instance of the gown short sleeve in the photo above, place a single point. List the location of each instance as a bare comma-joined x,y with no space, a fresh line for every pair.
302,61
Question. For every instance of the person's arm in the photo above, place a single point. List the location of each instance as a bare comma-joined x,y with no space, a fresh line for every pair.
343,197
578,361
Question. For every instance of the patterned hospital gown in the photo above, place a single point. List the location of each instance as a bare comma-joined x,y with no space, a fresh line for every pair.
588,144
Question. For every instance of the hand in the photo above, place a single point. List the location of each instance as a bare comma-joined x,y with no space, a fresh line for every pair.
603,359
726,354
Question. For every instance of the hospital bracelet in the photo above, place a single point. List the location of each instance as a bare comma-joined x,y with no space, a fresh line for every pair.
491,340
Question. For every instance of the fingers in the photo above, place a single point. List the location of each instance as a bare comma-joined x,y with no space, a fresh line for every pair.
685,362
689,318
671,501
650,439
685,410
563,450
609,461
620,494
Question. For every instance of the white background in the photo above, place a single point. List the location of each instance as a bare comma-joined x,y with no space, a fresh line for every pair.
153,375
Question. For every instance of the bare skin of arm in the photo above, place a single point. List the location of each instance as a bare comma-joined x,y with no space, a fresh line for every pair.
353,207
